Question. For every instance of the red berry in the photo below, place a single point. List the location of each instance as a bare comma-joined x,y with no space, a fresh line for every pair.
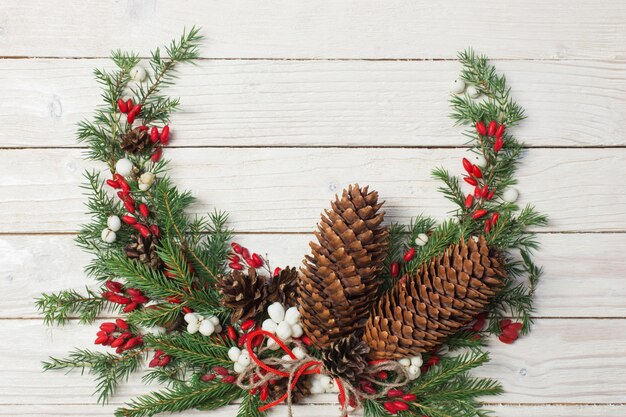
129,219
130,118
505,323
122,324
143,210
100,340
469,200
390,407
154,134
487,226
165,134
484,191
500,131
477,172
409,397
477,192
220,370
247,325
131,343
156,155
118,299
467,165
145,232
129,104
470,181
400,405
276,271
207,377
392,393
236,266
155,362
118,342
245,253
237,248
242,339
478,214
494,218
434,360
113,184
187,310
228,379
505,339
256,260
130,307
491,129
130,206
143,128
306,340
498,144
395,269
491,194
121,105
382,375
108,327
480,128
114,286
264,393
232,333
155,230
409,255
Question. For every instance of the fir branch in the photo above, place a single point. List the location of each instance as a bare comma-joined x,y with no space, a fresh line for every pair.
250,406
157,315
449,367
193,349
60,307
440,238
209,396
108,369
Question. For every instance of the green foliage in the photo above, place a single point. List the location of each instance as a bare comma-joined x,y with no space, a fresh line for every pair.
193,349
250,406
207,395
60,307
109,370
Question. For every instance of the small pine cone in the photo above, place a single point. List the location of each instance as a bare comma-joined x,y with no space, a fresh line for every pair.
246,295
445,294
283,287
135,141
144,250
346,358
298,393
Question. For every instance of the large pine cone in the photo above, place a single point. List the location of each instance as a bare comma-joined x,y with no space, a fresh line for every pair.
346,358
144,250
249,295
340,276
135,141
419,312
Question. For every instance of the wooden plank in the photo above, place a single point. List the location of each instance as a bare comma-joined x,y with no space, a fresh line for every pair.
322,29
555,364
285,189
583,272
309,410
319,103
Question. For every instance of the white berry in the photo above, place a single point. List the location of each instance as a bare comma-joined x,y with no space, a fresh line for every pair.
239,368
421,239
269,326
138,73
145,181
114,223
206,328
297,331
406,362
292,315
193,327
510,195
191,318
108,236
272,345
234,353
414,372
283,330
472,91
478,159
276,312
244,359
299,352
457,87
417,361
214,320
124,167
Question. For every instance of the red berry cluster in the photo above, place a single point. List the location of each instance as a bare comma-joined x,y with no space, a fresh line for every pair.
394,268
117,336
510,331
492,130
219,371
263,390
158,139
398,401
243,254
131,298
160,359
138,214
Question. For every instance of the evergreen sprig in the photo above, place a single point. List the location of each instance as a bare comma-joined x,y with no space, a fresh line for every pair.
59,308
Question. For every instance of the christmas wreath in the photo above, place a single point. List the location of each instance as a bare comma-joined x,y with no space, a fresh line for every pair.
391,317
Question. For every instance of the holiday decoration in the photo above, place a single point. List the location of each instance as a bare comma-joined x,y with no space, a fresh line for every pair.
391,318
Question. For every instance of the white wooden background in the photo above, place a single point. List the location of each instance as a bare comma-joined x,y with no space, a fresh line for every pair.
294,100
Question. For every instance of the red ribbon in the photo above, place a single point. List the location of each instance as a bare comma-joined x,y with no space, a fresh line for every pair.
308,368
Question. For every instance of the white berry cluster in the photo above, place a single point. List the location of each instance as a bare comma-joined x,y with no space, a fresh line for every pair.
412,365
205,325
241,358
285,324
113,225
321,384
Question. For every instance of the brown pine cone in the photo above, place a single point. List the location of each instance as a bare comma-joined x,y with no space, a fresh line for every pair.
246,295
346,358
283,287
445,294
135,141
298,393
144,250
